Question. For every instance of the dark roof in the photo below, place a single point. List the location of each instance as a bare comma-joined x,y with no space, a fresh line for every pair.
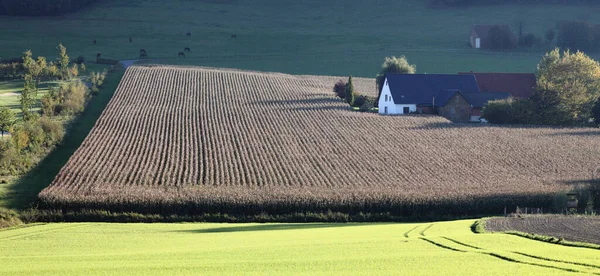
421,88
481,98
444,96
519,85
483,30
477,99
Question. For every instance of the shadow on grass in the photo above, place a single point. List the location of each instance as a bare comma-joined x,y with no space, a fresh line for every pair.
270,227
23,192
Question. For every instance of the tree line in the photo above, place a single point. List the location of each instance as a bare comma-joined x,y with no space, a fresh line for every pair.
41,7
495,2
39,132
567,94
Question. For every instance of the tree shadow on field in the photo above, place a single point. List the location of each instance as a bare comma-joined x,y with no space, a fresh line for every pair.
271,227
317,103
590,133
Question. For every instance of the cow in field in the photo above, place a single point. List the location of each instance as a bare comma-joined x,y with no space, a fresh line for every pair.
187,50
98,56
181,54
188,34
233,36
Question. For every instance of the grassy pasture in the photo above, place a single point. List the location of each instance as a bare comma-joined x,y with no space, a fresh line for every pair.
306,37
447,248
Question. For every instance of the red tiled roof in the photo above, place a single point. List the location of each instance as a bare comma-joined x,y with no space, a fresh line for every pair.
519,85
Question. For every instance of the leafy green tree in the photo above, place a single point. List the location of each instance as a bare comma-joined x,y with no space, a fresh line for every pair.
349,92
63,61
393,65
575,78
7,119
596,112
28,97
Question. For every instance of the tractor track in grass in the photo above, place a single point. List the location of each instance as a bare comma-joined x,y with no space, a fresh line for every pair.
463,244
442,245
508,259
422,233
41,232
555,260
552,263
408,232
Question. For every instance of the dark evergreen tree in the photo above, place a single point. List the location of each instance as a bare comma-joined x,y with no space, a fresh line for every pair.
350,92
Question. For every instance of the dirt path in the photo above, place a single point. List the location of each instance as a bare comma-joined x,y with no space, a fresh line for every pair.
571,228
128,62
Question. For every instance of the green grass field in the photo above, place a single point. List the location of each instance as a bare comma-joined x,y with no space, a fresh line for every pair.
444,248
298,37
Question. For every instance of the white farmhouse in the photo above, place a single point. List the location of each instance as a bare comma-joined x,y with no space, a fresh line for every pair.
409,93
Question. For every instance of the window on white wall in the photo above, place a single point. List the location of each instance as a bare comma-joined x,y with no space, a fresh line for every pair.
385,98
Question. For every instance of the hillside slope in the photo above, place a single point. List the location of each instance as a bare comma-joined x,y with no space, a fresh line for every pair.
180,139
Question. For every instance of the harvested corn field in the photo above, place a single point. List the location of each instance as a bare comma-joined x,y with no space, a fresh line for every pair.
194,140
570,228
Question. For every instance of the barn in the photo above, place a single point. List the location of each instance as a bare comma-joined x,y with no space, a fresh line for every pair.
456,97
462,107
519,85
480,35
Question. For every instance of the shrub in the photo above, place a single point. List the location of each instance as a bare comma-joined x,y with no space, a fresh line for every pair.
578,35
339,89
359,100
368,104
7,119
501,39
9,218
79,60
20,139
49,103
97,80
75,95
54,131
528,40
35,134
498,111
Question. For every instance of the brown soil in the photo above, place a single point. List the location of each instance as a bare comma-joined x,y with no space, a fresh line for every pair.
570,228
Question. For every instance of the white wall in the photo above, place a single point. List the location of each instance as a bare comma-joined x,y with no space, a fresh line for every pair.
391,107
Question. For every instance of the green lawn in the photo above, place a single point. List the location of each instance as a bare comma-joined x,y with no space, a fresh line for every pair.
20,193
308,37
9,95
446,248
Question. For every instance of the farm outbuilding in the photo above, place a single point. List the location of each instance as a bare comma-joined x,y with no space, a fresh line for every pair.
480,35
519,85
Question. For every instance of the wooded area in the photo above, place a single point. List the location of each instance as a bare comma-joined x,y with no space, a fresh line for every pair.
491,2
